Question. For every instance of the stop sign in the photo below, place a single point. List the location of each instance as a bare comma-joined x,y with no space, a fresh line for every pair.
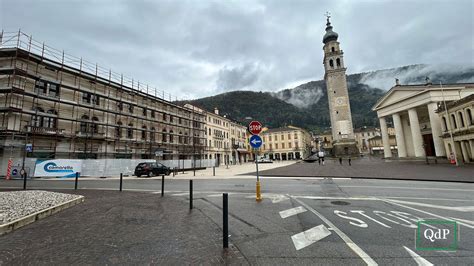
255,127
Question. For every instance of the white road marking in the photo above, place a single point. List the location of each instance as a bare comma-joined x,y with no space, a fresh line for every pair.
462,220
359,223
460,209
415,188
293,211
418,259
341,234
410,225
310,236
180,194
370,218
431,199
335,198
429,213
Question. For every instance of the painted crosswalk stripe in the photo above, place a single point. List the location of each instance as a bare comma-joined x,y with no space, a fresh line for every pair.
310,236
293,211
418,259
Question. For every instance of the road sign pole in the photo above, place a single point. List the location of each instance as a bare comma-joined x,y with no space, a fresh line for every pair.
258,189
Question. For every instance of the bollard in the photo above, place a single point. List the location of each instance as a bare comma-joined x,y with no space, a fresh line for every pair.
121,180
77,178
191,194
174,171
214,171
24,181
163,185
194,171
225,225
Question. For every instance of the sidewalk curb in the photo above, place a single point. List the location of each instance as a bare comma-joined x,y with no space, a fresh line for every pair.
6,228
371,177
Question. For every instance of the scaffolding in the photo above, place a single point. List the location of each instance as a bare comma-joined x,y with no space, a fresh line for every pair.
67,107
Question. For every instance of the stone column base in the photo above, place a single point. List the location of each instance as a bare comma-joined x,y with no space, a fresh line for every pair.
345,148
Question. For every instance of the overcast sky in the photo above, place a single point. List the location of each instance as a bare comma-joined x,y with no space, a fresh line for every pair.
200,48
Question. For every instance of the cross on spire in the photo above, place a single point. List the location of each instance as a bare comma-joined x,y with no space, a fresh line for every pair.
328,14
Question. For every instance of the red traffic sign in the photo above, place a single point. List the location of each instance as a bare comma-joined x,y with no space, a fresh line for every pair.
255,127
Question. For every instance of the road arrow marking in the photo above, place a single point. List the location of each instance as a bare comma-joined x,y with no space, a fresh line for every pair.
418,259
293,211
310,236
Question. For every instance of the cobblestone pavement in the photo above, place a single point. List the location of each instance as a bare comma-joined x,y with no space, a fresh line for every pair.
120,228
377,169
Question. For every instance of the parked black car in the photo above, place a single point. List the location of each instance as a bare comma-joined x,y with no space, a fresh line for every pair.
151,169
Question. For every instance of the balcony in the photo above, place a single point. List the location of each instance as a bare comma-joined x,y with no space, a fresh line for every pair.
45,130
90,134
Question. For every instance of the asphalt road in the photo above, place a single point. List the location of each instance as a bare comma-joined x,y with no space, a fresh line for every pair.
347,221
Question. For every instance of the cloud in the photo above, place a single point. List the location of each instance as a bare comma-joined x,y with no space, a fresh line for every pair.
302,98
237,78
200,48
446,73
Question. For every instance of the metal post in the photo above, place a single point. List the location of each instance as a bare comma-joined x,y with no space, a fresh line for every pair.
163,185
24,180
174,171
213,171
75,182
259,195
191,194
121,180
194,170
225,218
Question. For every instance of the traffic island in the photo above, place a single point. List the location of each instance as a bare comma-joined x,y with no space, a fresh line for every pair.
20,208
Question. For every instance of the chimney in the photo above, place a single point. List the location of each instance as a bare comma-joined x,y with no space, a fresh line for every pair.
216,111
397,82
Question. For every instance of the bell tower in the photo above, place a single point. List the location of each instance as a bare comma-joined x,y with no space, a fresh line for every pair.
344,143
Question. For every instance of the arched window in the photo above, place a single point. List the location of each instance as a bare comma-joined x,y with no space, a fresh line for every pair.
84,126
152,134
186,138
331,63
130,131
338,62
455,125
143,132
118,130
95,125
332,49
180,137
445,124
462,119
469,117
164,137
171,136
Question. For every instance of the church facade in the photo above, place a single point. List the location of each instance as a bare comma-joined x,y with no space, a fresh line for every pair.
344,143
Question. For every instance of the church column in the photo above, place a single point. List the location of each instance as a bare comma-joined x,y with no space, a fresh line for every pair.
435,122
385,140
416,133
397,122
465,155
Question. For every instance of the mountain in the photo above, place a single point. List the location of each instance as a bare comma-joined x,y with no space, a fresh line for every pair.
307,105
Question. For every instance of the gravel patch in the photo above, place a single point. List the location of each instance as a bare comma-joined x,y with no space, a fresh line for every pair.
17,204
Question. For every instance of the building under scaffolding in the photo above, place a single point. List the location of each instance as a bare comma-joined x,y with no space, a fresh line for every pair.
58,106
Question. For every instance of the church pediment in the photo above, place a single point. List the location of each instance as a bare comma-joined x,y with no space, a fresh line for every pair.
396,94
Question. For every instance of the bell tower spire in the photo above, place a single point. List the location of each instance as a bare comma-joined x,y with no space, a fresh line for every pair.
344,143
